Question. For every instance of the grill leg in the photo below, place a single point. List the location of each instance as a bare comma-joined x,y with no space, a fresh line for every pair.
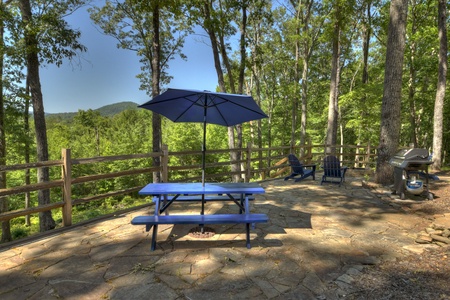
429,195
399,183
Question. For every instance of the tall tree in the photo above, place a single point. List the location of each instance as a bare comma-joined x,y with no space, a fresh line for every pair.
441,85
222,21
298,7
6,229
212,17
412,76
392,93
333,109
366,12
149,28
312,22
421,41
46,221
307,21
260,22
156,76
47,39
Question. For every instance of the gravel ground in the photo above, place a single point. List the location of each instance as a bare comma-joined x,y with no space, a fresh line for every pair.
417,276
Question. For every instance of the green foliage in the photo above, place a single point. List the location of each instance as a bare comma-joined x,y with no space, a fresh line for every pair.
56,40
19,232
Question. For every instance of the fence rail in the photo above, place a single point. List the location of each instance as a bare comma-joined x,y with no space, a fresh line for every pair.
256,164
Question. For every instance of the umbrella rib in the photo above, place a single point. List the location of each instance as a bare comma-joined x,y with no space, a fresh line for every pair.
192,104
212,99
233,102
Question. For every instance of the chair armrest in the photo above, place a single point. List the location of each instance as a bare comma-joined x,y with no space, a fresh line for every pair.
313,166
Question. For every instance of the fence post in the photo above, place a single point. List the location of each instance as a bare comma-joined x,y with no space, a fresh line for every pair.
356,162
248,173
67,186
368,155
165,163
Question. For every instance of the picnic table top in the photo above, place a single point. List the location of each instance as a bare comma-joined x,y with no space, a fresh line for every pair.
167,188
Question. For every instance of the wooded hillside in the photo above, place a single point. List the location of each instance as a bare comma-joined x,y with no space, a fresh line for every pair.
106,111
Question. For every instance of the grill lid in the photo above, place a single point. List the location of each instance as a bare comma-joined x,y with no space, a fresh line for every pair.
410,157
412,153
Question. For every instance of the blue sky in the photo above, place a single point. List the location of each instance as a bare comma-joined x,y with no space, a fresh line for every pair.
106,75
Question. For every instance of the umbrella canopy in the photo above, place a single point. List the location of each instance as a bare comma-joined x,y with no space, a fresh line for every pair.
180,105
191,105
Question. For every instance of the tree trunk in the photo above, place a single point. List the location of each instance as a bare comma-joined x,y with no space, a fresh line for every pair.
411,99
391,103
240,89
412,83
366,44
26,122
156,74
440,93
307,46
217,49
4,204
256,68
46,221
333,110
295,97
365,72
303,119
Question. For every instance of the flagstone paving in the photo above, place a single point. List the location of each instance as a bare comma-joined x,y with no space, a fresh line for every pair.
318,239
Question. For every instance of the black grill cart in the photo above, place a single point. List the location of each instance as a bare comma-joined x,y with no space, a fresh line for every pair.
408,164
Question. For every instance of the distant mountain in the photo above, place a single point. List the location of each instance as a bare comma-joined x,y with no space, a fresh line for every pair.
113,109
106,111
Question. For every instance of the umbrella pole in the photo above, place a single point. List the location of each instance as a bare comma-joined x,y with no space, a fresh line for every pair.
202,228
204,147
204,157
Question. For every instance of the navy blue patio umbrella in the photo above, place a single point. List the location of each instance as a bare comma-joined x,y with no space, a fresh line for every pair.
181,105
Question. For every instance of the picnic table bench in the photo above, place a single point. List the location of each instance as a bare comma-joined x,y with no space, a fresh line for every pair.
151,221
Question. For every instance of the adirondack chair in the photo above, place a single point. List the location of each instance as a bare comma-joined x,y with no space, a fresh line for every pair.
299,169
332,170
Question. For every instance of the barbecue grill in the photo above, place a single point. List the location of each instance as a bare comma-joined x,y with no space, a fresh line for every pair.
408,165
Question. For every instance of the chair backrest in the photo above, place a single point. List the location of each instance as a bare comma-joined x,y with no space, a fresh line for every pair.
332,166
295,164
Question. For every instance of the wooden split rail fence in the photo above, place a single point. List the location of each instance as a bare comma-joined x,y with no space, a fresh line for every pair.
256,164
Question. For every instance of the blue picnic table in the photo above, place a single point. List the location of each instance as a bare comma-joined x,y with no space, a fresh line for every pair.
167,193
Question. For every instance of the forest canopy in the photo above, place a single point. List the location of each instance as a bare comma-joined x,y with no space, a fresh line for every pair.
288,49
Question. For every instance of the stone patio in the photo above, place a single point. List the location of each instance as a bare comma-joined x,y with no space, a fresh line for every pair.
317,240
